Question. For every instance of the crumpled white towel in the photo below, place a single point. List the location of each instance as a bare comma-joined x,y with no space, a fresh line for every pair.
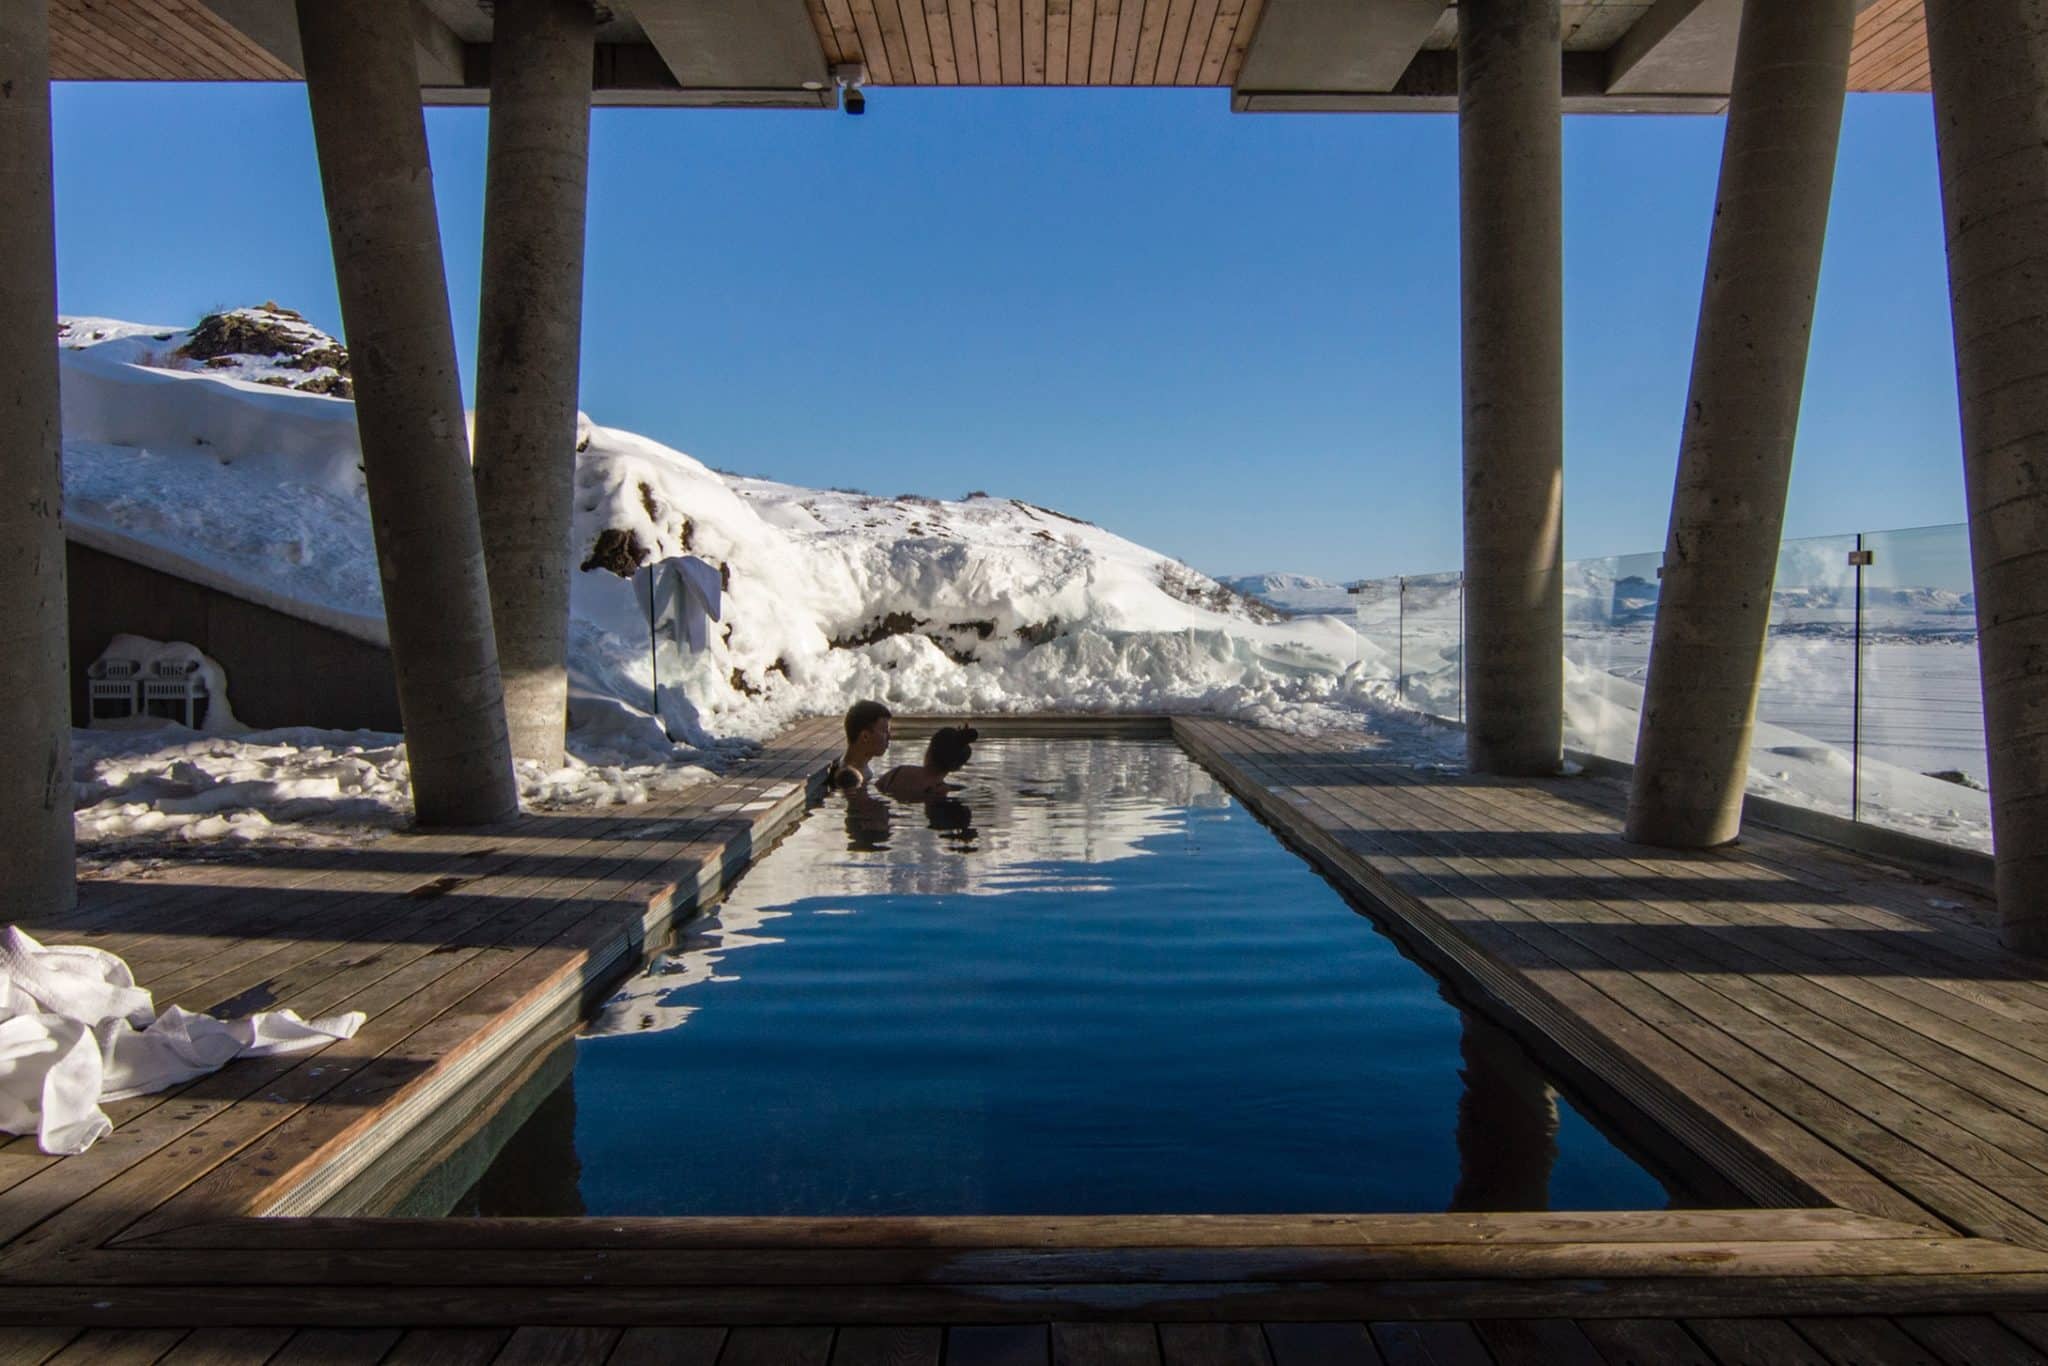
75,1030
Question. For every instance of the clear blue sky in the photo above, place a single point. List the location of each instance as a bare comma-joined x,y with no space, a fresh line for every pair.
1231,337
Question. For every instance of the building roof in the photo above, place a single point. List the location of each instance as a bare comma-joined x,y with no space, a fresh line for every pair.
1623,56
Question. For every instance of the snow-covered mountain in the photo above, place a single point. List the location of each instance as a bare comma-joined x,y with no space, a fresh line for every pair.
1277,585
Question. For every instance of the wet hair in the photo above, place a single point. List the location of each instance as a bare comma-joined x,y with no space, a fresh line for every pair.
861,715
950,748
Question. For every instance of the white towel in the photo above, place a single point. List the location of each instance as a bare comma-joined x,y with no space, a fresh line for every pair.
75,1030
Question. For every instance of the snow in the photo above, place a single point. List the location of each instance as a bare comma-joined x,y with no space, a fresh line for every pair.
984,605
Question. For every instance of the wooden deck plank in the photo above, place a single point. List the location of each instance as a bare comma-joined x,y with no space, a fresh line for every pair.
1941,1163
1779,1027
1105,1344
1644,1342
33,1346
1213,1344
1972,1338
226,1347
120,1347
1538,1342
1865,1339
558,1346
337,1347
1009,1344
1430,1343
394,982
1755,1342
1915,1097
448,1347
888,1345
776,1346
1321,1344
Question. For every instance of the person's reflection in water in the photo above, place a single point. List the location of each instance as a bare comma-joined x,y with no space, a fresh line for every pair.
954,820
1507,1125
867,821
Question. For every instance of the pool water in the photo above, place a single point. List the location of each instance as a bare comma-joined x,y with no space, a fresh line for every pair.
1092,983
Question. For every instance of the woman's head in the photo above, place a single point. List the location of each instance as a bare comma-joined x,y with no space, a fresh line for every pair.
950,748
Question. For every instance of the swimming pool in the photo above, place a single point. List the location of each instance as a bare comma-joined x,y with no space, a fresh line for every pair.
1092,983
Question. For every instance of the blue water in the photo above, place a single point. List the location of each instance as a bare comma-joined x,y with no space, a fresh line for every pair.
1094,984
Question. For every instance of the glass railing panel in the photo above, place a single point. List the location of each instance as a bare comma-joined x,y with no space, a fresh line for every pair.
1376,615
1610,605
1920,728
1801,751
1432,656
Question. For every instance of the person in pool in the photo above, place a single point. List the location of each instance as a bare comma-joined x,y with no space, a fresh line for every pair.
867,739
948,752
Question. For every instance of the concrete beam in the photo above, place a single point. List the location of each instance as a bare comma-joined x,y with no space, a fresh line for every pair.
36,859
1679,47
1430,86
1347,46
736,45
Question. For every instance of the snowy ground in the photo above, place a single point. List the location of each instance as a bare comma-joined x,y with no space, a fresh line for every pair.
229,471
241,469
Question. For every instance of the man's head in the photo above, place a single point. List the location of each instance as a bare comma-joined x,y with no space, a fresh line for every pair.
867,729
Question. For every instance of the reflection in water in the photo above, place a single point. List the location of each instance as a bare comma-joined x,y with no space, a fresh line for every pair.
537,1172
1017,826
1089,983
1507,1124
867,821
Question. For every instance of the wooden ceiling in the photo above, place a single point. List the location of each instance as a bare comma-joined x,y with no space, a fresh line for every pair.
902,42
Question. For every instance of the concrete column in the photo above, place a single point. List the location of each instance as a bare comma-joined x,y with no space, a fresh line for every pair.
36,874
1510,179
529,346
1990,67
1735,458
362,80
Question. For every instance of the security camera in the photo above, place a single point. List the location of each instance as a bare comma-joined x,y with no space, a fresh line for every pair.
850,77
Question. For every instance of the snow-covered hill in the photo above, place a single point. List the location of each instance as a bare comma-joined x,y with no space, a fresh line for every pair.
228,474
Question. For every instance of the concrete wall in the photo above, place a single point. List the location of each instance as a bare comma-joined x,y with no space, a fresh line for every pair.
281,671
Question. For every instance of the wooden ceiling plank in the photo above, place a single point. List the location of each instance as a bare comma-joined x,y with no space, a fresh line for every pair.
966,48
988,41
874,49
108,26
1227,15
851,47
1010,22
902,71
910,14
235,49
1102,53
1172,39
1081,44
938,23
1129,25
1151,34
1059,22
1201,29
1241,41
1033,30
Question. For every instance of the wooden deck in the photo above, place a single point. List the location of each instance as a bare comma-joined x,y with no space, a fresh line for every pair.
1842,1044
